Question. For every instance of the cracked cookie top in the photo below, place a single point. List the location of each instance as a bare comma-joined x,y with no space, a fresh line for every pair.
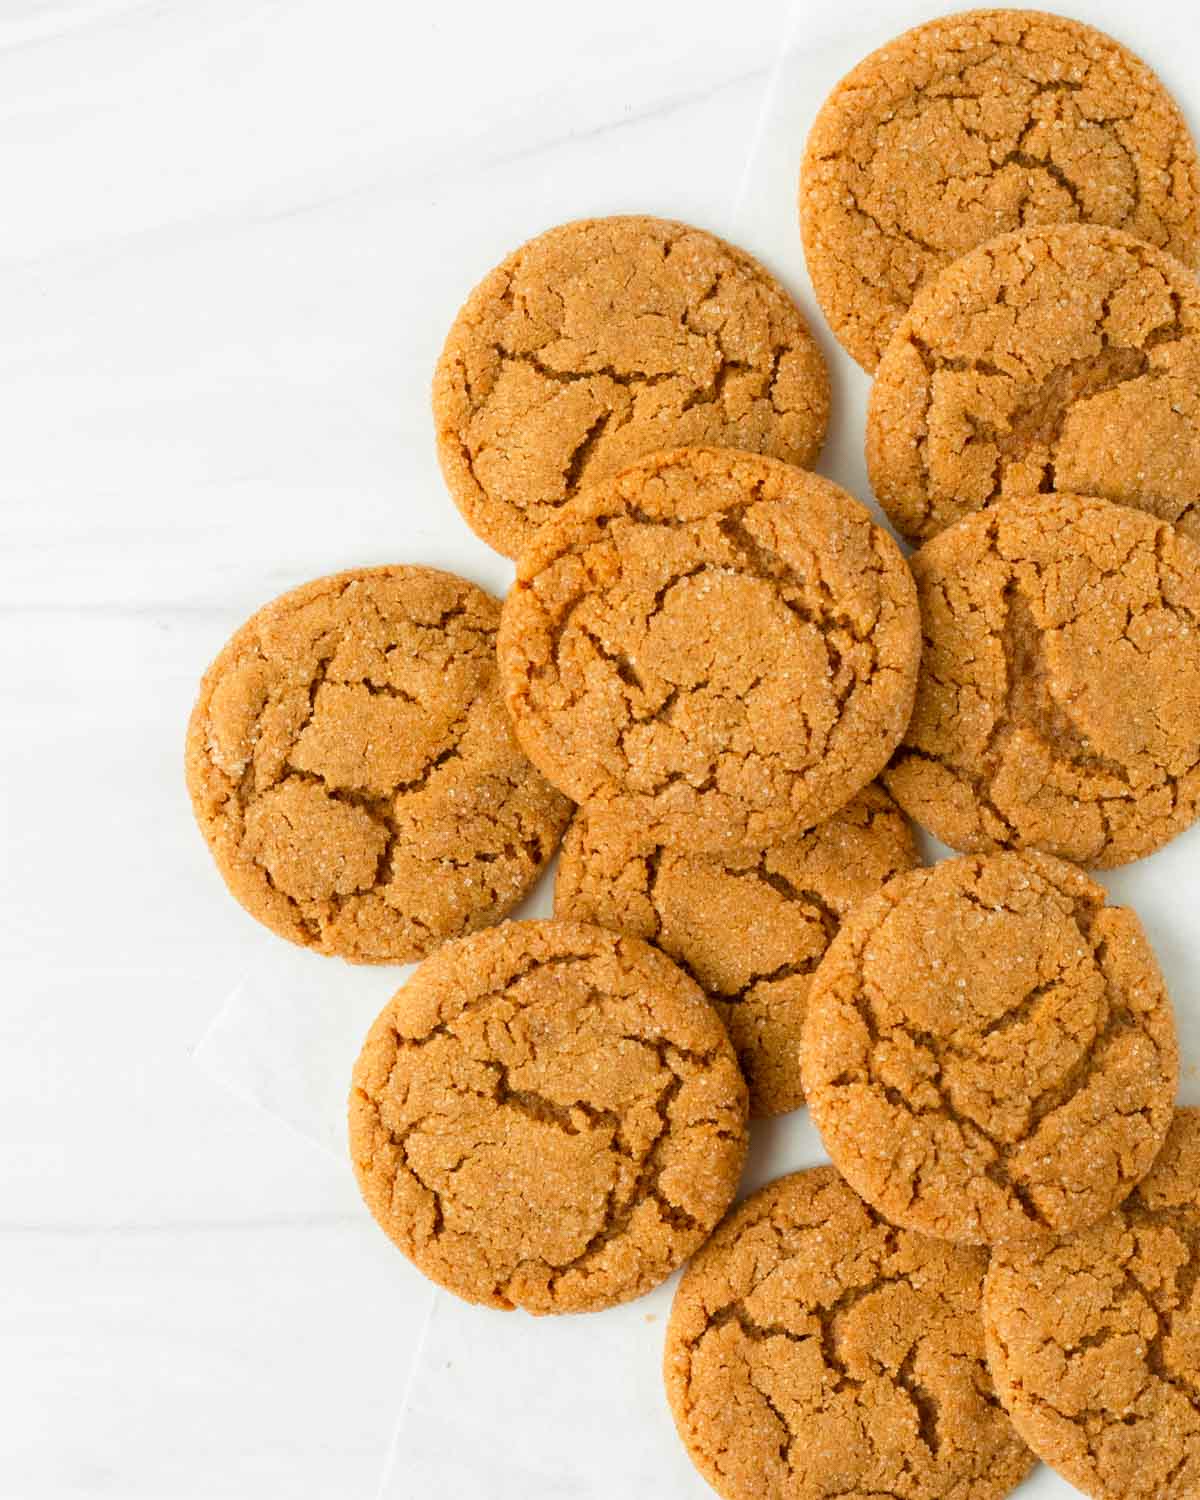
548,1116
724,643
1094,1343
749,928
1064,358
815,1350
973,126
989,1051
353,771
603,340
1058,703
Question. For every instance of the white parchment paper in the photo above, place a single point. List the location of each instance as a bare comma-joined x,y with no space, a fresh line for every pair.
287,1036
501,1406
573,1408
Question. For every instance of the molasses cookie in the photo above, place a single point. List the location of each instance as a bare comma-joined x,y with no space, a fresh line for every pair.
1058,705
972,126
1094,1342
1064,358
352,768
815,1350
548,1116
603,340
724,643
989,1050
749,928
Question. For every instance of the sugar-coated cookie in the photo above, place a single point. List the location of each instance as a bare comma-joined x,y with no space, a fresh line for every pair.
815,1350
1094,1342
353,771
723,642
548,1116
749,928
971,126
1065,358
1058,703
605,339
989,1050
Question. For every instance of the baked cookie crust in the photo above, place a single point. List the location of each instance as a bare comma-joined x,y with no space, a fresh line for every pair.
816,1350
353,772
726,644
548,1116
1058,703
990,1050
1054,359
976,125
749,928
603,340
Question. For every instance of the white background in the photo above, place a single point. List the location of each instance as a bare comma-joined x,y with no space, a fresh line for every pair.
234,235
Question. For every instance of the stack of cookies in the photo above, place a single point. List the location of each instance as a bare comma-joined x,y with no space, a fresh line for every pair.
718,682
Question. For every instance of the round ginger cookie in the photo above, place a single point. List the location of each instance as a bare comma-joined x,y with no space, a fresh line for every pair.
353,772
1058,705
815,1350
976,125
989,1050
603,340
1094,1342
749,928
1062,358
548,1116
725,644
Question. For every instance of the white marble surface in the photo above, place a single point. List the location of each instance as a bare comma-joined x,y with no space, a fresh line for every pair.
234,234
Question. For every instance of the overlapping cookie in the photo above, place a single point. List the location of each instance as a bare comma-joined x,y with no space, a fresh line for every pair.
353,772
603,340
971,126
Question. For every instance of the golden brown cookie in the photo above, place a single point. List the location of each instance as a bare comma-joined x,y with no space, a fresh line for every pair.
603,340
749,928
975,125
548,1116
725,643
1064,358
816,1351
989,1050
1094,1342
1058,705
353,772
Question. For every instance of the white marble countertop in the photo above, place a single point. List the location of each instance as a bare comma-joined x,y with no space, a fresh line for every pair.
235,233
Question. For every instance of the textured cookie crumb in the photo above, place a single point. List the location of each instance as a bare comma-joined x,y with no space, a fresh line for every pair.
1094,1343
749,928
972,126
1063,358
1058,703
816,1351
353,772
724,644
989,1050
603,340
548,1116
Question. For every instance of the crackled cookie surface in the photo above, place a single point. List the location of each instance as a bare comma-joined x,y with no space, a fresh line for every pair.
749,928
548,1116
352,768
1064,358
606,339
1058,705
1094,1343
725,643
989,1050
815,1350
972,126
